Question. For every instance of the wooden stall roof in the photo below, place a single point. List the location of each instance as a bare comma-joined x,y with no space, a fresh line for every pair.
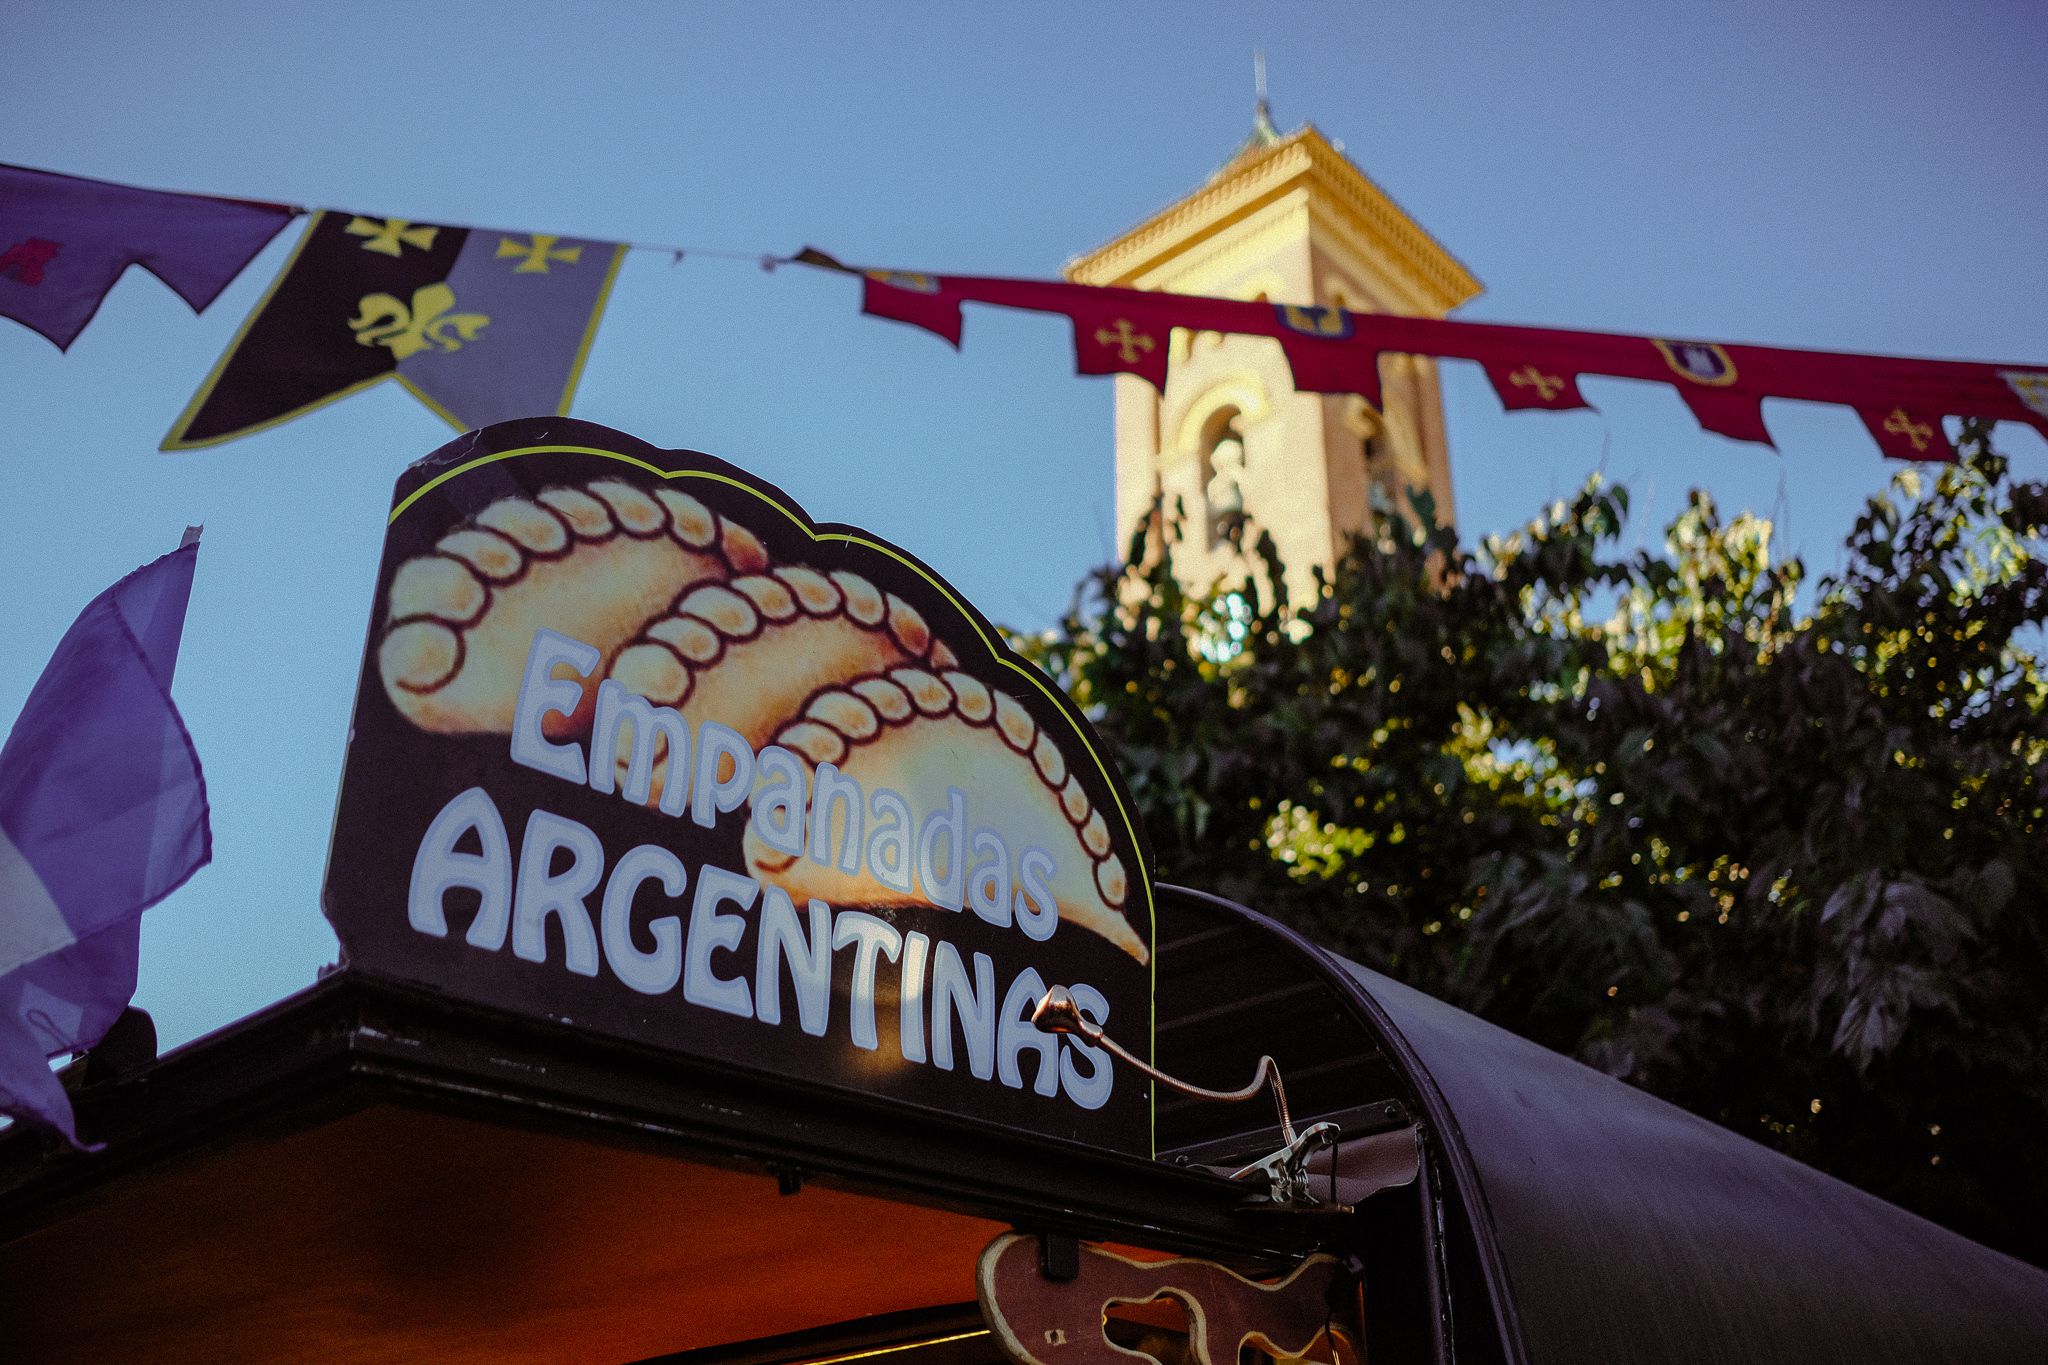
401,1178
398,1234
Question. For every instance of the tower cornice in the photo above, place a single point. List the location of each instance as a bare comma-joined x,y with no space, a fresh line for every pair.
1303,159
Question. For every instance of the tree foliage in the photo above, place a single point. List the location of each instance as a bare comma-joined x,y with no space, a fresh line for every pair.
1774,854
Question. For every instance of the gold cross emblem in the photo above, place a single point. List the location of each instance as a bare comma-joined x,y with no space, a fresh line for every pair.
1128,341
1899,424
427,324
391,236
538,252
1547,386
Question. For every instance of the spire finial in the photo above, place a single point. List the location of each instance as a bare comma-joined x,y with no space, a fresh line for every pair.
1262,111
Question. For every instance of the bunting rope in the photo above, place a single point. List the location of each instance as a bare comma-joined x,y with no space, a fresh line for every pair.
363,299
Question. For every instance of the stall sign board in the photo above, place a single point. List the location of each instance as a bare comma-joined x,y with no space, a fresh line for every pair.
640,747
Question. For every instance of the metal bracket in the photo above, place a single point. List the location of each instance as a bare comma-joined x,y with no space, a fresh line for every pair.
1285,1171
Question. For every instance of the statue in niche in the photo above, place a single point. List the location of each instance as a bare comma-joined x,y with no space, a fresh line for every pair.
1224,493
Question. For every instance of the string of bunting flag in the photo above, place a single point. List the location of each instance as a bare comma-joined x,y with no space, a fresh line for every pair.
1336,350
481,326
484,326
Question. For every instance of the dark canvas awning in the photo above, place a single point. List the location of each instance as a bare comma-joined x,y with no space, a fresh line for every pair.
1606,1225
1622,1228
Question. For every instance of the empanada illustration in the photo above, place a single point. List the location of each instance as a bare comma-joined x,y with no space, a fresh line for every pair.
910,729
748,653
600,560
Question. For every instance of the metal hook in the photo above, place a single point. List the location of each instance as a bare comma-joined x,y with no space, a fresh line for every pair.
1056,1012
1286,1171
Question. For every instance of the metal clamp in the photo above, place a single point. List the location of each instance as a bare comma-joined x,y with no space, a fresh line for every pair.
1286,1171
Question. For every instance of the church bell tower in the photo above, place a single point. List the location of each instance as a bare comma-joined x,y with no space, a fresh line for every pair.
1287,219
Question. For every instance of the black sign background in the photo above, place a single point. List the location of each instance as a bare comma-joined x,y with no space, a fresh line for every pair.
398,776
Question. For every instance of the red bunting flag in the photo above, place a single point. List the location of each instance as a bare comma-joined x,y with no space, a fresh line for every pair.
1531,386
1904,436
1333,350
1114,337
1322,350
915,299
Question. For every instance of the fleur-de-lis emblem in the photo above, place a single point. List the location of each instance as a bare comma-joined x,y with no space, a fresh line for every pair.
428,323
24,261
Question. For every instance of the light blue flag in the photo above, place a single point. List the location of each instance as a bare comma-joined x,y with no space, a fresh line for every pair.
102,814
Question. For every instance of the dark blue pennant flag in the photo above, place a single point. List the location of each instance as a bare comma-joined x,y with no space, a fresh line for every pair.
481,326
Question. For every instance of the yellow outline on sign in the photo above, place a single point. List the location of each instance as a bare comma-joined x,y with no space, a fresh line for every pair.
1024,670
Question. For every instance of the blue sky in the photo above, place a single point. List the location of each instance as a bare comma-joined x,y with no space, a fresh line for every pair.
1845,176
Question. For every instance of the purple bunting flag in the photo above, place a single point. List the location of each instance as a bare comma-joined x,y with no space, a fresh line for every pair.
102,814
65,240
